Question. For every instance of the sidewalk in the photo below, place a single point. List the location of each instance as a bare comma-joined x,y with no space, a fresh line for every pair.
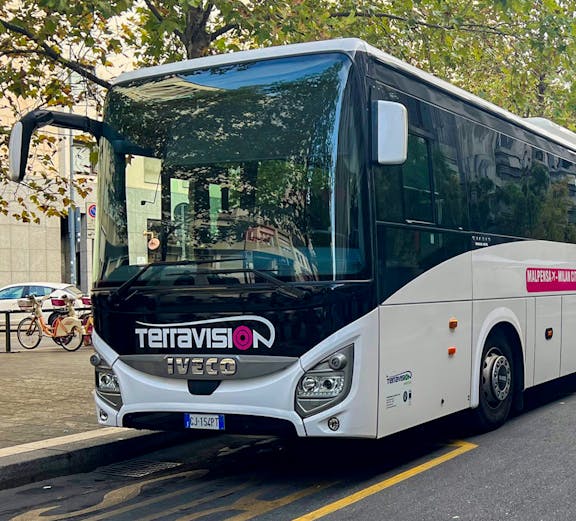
48,423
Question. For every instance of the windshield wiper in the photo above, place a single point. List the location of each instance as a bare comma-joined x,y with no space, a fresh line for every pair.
281,286
120,292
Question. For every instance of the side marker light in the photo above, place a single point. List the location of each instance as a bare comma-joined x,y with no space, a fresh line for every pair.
451,351
453,323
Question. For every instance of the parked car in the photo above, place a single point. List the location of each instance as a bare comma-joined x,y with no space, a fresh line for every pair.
10,294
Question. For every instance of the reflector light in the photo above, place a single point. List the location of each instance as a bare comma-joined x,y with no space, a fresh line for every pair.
333,423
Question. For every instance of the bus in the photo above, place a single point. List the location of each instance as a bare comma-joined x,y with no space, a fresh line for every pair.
322,240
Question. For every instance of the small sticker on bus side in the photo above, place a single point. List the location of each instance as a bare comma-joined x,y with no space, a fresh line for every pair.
404,377
402,389
399,399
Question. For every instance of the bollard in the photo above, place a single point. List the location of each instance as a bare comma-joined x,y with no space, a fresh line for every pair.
7,328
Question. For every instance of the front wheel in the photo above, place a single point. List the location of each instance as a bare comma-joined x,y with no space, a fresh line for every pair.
29,333
497,384
73,341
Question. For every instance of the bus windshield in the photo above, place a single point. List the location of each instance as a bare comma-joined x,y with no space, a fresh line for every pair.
233,167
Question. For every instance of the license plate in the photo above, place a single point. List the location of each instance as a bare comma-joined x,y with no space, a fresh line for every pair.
212,422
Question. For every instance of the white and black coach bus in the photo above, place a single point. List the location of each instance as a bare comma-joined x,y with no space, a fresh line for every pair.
320,239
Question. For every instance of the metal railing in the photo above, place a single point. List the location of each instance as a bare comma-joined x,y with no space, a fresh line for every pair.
6,326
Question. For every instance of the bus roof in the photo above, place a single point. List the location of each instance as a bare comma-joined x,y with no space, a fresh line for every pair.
351,46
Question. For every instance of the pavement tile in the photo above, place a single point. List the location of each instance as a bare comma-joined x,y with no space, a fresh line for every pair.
46,397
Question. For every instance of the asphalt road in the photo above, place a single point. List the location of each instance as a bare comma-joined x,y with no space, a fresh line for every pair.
525,470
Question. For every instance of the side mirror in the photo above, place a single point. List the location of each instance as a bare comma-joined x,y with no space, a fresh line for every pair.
17,165
22,134
389,132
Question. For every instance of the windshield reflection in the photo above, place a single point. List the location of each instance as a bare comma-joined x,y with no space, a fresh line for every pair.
240,170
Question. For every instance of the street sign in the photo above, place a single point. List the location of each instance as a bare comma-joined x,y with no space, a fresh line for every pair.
92,210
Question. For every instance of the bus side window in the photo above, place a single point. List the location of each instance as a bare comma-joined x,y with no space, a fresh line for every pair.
416,181
388,193
404,192
552,192
431,186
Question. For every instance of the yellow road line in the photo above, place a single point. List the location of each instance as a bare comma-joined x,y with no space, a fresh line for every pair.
461,448
251,506
62,440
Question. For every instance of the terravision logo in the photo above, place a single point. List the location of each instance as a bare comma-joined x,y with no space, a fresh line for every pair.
405,377
251,332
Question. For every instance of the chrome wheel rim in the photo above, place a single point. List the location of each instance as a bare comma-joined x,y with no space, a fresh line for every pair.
496,377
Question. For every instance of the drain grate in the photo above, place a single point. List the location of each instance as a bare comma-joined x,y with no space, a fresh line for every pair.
138,468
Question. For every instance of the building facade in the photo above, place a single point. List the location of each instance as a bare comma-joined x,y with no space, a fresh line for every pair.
41,252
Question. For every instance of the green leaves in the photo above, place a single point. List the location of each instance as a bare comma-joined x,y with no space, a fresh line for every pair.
519,54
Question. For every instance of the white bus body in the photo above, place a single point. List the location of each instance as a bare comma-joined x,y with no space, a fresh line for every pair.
323,240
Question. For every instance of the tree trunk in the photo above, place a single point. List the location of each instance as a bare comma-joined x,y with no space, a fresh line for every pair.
196,37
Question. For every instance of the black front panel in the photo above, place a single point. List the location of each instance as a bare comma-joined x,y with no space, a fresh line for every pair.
235,423
187,321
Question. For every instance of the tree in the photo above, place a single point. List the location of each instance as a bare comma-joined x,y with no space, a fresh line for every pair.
41,44
516,53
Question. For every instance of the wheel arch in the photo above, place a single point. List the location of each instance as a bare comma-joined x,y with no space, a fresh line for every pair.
504,323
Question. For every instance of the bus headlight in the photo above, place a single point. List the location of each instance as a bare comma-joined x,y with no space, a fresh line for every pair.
107,381
326,384
107,386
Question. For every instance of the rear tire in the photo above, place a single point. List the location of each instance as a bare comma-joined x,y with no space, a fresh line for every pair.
497,384
29,333
53,316
73,340
62,340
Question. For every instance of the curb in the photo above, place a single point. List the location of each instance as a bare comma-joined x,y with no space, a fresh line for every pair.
29,463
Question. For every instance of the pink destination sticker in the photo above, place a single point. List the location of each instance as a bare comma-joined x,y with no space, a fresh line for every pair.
550,279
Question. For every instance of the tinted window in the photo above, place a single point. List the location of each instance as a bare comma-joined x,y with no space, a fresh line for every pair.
11,293
551,199
522,191
448,170
388,188
416,178
430,187
461,174
40,291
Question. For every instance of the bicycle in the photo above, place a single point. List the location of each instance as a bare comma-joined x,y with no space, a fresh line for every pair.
87,320
66,331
